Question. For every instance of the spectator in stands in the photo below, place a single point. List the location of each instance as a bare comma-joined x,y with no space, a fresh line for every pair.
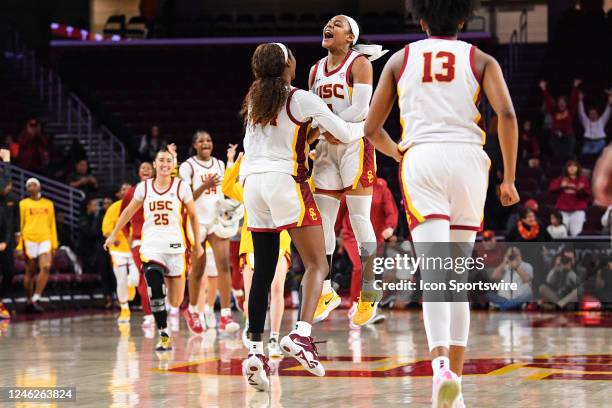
82,178
556,229
529,147
574,194
516,214
63,231
603,284
89,235
562,140
38,242
11,144
492,254
9,205
33,147
594,126
512,270
527,229
150,144
561,283
75,153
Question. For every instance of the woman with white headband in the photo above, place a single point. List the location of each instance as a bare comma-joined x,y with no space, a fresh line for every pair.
277,197
343,79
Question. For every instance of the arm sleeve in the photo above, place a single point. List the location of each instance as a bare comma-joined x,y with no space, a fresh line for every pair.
309,106
390,208
230,186
53,226
582,115
360,104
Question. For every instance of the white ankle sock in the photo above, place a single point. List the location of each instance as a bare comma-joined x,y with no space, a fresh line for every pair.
35,298
125,306
439,363
226,312
256,347
303,328
193,308
274,335
327,287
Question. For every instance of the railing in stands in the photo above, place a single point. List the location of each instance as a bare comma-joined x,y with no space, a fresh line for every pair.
66,199
518,39
106,152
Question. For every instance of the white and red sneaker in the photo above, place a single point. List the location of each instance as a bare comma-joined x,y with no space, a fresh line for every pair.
257,371
228,325
446,389
148,322
193,322
303,350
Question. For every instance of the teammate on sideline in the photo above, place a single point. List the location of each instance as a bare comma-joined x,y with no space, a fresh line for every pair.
343,79
124,267
133,231
38,241
233,188
277,197
444,170
203,173
164,200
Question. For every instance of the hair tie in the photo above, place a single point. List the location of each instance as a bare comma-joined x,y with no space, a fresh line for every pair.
284,50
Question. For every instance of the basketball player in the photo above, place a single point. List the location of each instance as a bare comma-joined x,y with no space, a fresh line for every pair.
38,241
133,231
164,200
277,197
203,173
343,80
124,267
233,188
444,170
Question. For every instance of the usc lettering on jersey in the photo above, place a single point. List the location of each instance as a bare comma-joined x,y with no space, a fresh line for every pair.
163,230
438,94
193,172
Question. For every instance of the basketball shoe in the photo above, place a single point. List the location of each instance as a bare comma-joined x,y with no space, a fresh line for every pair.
131,293
164,343
327,302
365,312
209,317
303,350
228,325
274,350
445,389
257,371
124,316
193,322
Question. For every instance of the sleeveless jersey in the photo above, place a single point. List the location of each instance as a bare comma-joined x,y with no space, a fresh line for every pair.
163,230
335,87
280,146
438,93
193,171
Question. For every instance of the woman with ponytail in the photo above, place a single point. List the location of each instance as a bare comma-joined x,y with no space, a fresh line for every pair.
343,79
277,197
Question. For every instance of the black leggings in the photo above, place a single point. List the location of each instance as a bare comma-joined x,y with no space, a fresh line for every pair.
265,245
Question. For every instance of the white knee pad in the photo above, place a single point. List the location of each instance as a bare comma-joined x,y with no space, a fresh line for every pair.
437,319
359,212
328,207
459,323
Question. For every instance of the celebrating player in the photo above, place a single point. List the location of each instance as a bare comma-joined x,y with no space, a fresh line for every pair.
277,197
444,169
233,189
204,174
343,80
164,199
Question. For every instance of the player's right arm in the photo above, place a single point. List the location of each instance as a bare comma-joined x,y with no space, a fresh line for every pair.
125,216
497,93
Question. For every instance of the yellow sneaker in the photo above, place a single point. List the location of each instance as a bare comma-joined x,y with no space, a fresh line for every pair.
164,344
4,314
131,293
365,313
124,316
327,303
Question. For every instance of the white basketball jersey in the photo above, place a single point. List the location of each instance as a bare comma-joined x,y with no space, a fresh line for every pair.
193,172
163,230
280,146
438,92
335,87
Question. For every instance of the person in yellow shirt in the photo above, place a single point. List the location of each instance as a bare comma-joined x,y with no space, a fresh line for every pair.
38,241
124,267
232,188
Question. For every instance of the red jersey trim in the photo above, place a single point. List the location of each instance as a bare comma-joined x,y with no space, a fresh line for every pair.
406,52
145,193
473,63
339,67
314,75
349,81
168,189
287,108
178,191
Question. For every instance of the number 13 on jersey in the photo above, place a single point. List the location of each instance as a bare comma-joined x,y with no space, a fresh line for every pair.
446,74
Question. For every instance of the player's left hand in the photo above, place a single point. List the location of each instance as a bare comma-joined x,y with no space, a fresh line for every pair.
5,155
172,149
508,194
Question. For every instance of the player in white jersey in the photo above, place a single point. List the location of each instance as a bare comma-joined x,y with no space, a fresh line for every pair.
343,79
277,197
164,200
444,170
204,174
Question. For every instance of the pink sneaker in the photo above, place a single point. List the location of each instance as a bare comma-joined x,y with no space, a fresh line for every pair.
305,351
257,371
446,389
193,322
